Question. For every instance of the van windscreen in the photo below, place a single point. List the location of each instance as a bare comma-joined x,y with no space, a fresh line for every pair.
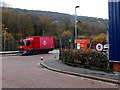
22,43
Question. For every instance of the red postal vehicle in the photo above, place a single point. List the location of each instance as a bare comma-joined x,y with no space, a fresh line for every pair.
35,44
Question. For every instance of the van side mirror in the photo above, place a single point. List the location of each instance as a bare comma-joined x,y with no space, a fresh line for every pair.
28,43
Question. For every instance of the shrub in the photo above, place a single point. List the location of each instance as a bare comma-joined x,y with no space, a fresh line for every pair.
85,59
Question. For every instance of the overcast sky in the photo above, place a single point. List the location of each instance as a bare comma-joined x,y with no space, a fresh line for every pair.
92,8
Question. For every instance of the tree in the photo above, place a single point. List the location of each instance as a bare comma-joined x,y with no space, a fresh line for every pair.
43,25
4,4
100,38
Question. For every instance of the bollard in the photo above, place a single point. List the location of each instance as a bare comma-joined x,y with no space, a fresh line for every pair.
55,57
42,58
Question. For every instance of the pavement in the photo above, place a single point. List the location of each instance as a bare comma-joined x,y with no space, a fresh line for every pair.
58,66
8,52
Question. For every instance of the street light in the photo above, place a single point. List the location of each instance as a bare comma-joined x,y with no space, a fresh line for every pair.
76,21
107,41
43,33
5,38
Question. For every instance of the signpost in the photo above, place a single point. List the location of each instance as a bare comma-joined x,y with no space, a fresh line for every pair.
99,47
82,43
78,46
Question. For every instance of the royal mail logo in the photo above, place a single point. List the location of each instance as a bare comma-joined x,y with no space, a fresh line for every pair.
44,42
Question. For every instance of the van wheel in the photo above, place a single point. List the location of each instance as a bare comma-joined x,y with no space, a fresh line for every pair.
35,52
31,52
46,52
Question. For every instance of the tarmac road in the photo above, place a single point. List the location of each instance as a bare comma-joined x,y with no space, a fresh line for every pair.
24,72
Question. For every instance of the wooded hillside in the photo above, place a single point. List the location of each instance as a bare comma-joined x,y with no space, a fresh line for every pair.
22,23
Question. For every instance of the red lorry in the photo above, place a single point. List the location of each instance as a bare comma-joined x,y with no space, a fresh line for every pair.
35,44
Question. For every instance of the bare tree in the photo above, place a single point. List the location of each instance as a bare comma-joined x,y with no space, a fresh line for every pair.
4,4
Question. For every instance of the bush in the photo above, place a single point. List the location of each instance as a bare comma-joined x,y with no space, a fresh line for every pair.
85,59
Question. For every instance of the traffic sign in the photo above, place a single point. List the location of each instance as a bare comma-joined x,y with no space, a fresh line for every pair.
82,43
99,47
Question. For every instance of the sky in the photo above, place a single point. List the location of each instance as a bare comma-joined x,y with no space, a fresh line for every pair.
91,8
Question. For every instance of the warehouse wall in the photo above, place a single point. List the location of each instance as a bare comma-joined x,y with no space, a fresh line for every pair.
114,30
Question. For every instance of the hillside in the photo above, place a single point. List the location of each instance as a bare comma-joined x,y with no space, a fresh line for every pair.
59,16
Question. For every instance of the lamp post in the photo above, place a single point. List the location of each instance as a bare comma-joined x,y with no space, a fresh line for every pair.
107,42
76,21
5,38
43,33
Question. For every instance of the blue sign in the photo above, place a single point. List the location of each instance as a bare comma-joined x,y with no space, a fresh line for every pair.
114,30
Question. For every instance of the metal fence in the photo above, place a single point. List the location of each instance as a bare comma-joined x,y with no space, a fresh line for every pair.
9,45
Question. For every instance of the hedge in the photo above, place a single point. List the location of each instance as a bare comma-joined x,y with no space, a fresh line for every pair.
85,59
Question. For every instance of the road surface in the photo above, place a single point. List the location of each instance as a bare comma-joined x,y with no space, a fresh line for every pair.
24,72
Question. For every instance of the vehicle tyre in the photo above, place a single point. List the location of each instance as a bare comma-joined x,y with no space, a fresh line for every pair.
35,52
47,52
31,51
